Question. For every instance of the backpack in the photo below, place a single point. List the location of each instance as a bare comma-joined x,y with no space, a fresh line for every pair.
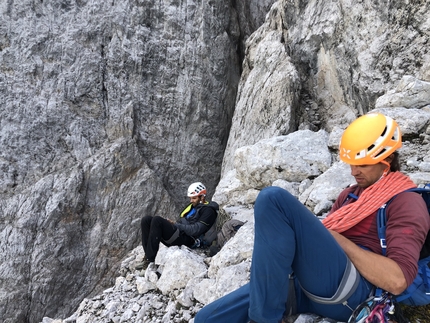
228,231
418,293
207,238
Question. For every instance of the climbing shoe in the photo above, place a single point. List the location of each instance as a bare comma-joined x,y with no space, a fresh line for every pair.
142,265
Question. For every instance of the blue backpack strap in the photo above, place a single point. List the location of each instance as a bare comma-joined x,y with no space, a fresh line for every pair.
425,278
382,214
350,196
382,224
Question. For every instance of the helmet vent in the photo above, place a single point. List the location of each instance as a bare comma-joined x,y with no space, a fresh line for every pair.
381,152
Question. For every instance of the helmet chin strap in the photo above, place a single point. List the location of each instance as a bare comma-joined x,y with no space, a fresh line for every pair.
387,170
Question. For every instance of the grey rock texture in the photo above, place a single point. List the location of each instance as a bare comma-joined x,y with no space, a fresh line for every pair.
109,109
300,155
251,15
319,64
79,75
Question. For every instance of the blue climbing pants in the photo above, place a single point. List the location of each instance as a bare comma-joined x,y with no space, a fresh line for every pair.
288,238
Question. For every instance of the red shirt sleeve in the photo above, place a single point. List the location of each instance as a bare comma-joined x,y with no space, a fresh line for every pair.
408,223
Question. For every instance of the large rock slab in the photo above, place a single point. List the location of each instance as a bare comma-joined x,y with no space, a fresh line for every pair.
409,93
295,157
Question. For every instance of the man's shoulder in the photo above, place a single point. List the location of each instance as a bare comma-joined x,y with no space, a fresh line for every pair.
410,201
212,206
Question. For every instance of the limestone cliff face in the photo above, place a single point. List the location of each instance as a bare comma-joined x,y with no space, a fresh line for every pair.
109,109
319,64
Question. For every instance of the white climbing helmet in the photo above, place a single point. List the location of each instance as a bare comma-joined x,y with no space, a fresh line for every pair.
196,189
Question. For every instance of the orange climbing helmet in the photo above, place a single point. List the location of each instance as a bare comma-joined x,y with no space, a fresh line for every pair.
369,140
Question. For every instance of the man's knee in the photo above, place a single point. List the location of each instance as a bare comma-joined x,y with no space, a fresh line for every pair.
270,197
274,194
146,221
156,220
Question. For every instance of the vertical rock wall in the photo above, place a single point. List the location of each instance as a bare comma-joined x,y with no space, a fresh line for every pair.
108,110
318,64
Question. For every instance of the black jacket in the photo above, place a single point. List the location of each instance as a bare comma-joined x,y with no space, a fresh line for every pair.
200,222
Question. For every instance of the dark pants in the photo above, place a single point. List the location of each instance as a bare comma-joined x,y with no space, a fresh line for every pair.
157,229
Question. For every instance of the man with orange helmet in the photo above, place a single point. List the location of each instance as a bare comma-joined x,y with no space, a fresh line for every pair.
194,221
303,265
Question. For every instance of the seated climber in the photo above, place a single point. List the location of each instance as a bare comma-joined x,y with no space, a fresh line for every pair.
303,265
195,220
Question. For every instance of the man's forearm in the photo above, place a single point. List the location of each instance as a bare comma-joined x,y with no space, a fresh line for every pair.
377,269
193,230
